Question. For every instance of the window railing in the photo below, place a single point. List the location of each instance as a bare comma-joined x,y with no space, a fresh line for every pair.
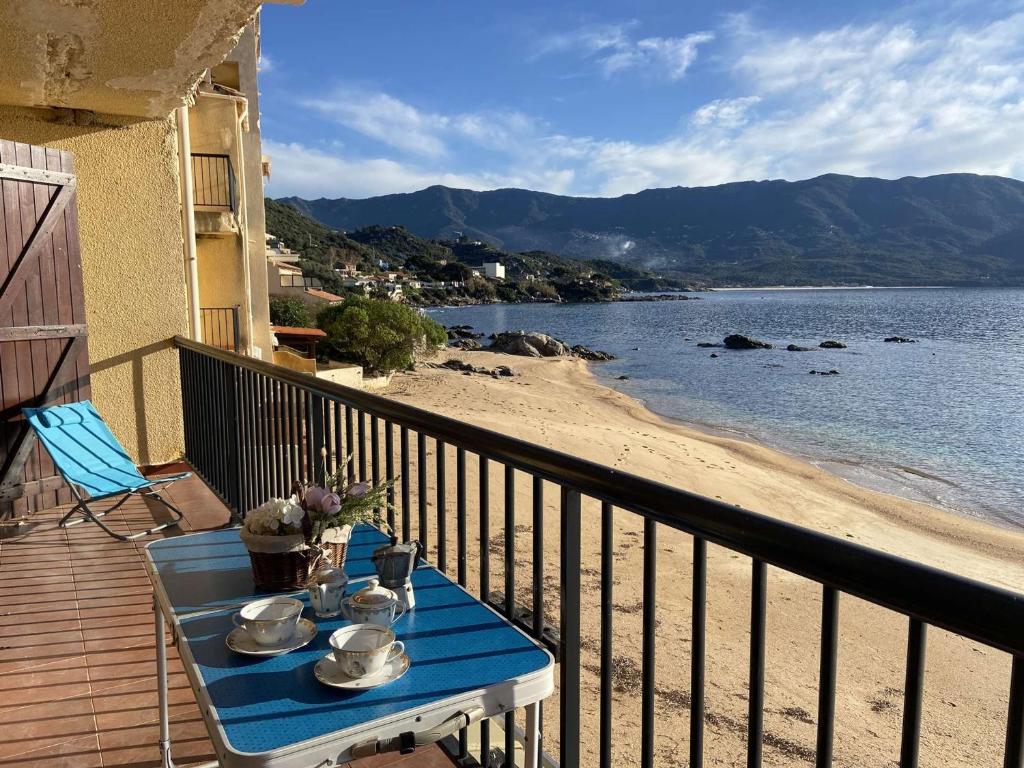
220,327
213,183
251,428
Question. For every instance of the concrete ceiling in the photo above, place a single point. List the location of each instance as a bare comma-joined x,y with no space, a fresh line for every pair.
126,57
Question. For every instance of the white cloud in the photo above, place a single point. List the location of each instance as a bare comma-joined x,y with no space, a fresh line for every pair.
614,49
419,132
313,172
877,99
728,113
266,64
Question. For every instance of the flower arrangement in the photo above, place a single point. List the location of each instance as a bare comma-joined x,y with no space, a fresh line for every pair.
288,537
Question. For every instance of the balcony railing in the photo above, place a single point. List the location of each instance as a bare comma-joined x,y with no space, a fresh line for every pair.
220,327
213,183
252,427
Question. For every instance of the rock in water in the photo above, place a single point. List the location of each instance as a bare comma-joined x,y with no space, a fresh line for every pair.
832,344
591,354
901,340
707,344
738,341
795,348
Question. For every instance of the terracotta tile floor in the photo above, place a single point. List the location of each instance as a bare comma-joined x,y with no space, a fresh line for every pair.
77,670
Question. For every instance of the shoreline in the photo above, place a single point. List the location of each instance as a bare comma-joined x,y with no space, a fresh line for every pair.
584,390
901,481
561,404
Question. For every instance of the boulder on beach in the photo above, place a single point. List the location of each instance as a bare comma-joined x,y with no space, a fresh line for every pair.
469,345
738,341
591,354
832,344
529,344
795,348
900,340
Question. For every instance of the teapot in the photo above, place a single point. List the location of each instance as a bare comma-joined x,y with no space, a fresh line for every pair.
326,590
373,604
395,563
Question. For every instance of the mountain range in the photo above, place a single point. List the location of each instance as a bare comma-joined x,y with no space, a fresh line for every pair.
951,229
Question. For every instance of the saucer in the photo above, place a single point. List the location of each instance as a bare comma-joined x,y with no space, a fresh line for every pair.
328,672
238,640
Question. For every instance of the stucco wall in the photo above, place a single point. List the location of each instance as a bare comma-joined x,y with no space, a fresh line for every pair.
246,54
132,264
220,271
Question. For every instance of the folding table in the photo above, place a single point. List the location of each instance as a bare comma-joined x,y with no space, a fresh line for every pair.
467,662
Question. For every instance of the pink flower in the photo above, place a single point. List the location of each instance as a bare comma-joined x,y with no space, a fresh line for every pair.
314,496
357,490
331,504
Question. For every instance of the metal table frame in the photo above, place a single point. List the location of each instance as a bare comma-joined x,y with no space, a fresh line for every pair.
162,611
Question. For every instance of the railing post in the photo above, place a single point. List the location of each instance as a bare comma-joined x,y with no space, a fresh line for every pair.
569,644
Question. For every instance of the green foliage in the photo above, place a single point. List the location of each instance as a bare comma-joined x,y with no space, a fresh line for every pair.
290,311
382,336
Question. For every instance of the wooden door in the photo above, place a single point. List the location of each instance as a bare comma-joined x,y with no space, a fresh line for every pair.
43,356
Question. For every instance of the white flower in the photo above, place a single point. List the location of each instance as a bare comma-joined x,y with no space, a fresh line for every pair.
270,518
293,514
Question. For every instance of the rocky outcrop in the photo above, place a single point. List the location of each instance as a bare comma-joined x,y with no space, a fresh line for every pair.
832,344
591,354
469,345
795,348
738,341
468,369
462,332
529,344
900,340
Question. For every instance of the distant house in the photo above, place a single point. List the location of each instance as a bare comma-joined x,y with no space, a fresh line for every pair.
492,270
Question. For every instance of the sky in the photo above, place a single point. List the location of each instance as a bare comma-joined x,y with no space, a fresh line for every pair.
370,97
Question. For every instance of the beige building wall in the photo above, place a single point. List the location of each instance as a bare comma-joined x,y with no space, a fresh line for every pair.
133,270
246,53
213,129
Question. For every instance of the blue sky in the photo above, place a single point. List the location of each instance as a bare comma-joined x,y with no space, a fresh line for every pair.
600,98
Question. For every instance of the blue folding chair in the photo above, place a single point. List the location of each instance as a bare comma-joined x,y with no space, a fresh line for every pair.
94,465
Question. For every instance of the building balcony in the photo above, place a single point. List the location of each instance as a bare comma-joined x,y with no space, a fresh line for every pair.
591,561
77,668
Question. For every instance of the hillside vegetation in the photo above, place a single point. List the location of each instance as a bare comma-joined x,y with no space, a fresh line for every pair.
531,275
832,230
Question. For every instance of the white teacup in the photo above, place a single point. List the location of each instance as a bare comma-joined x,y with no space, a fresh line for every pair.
362,650
270,621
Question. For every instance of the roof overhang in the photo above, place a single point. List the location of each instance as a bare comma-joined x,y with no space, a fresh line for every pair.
126,57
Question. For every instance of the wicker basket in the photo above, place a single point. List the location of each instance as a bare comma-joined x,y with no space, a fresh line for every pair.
279,563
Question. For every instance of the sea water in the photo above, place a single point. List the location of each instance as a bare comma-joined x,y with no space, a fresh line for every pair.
940,420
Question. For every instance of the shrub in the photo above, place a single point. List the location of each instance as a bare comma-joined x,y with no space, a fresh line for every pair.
290,311
382,336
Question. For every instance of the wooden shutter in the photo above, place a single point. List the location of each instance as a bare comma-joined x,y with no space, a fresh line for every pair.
43,355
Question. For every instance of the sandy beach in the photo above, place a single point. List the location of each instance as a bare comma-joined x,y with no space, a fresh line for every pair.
558,403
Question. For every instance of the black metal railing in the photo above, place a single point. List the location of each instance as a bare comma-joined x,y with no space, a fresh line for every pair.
251,427
213,182
220,327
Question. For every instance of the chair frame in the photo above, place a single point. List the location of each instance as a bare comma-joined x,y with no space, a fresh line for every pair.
152,490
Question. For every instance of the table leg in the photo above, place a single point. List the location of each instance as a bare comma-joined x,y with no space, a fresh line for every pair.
161,687
532,736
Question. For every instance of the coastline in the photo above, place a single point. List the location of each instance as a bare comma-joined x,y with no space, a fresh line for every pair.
558,402
815,480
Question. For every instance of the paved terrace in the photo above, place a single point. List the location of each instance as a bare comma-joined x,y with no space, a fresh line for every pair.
77,666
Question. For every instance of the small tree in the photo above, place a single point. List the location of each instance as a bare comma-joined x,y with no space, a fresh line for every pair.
382,336
290,311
